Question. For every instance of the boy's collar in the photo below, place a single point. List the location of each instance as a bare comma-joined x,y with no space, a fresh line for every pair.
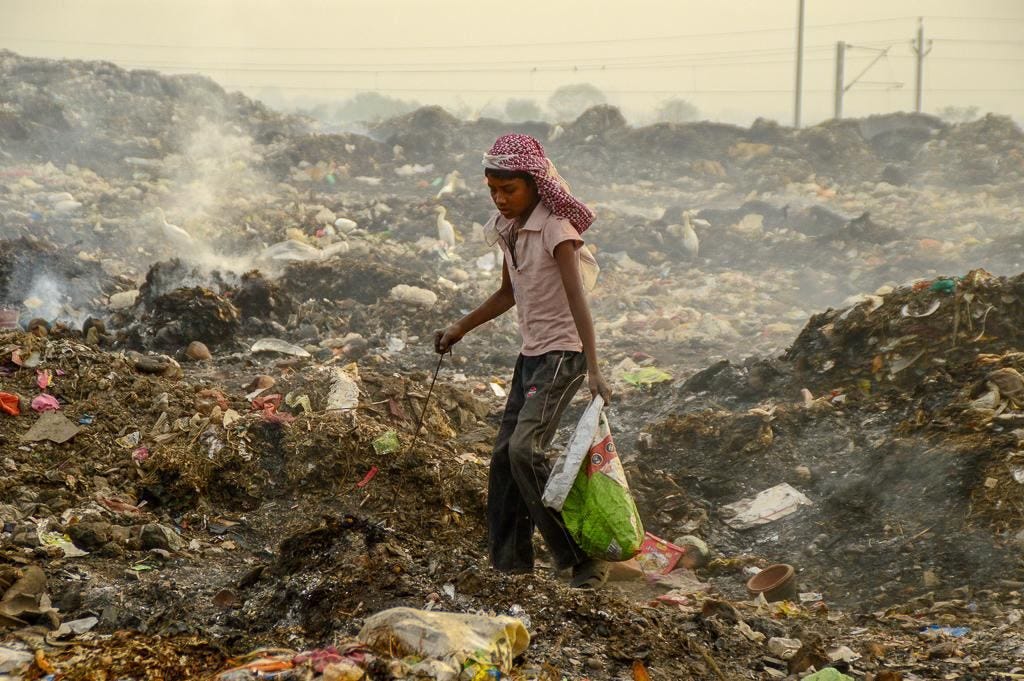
538,217
534,223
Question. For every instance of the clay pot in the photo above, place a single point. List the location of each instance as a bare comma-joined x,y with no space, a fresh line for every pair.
776,582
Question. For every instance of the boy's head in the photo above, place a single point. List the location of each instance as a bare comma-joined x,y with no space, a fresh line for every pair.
514,192
520,175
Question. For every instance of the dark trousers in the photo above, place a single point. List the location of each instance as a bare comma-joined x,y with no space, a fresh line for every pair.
542,387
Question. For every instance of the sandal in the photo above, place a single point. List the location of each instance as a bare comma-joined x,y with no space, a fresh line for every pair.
589,574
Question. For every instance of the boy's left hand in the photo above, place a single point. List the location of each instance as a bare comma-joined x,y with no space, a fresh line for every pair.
598,386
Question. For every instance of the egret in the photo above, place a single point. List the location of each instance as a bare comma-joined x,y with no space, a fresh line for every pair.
445,230
452,182
686,233
691,244
175,235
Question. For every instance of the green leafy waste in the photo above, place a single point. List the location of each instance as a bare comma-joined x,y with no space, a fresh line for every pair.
387,443
646,376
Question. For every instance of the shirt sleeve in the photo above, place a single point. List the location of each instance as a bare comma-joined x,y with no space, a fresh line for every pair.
558,230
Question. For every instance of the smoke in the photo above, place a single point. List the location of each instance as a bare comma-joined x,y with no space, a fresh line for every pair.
48,296
212,185
214,174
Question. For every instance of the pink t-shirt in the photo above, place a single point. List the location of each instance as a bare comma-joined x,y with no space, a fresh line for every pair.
545,320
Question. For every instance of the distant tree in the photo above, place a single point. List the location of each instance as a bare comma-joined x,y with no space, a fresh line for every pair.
959,114
466,111
492,110
372,107
518,110
676,111
569,101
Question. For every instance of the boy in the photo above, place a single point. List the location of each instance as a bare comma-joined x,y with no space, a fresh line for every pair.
538,223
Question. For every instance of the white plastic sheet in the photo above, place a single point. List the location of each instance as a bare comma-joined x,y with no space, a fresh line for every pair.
568,464
768,506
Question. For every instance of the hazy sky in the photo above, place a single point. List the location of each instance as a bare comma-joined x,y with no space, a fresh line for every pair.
734,61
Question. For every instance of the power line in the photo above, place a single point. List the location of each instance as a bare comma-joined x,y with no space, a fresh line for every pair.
961,59
978,41
676,60
500,91
610,66
589,68
570,60
1000,90
1000,20
489,46
384,66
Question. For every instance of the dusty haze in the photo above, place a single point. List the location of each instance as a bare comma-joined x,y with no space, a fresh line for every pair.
734,62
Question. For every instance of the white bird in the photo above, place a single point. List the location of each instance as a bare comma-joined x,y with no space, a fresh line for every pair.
452,183
687,235
67,206
344,225
691,244
445,230
175,235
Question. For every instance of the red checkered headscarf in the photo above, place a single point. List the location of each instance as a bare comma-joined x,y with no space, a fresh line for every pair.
523,153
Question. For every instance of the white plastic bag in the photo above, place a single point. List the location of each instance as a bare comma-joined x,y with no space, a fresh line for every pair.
468,643
568,464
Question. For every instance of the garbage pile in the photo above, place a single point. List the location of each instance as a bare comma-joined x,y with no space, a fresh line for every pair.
215,353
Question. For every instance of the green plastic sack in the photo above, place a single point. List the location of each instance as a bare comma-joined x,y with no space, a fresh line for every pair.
599,511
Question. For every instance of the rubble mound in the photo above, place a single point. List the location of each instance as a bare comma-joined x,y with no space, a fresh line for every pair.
837,148
987,151
898,137
913,334
894,415
95,113
596,121
428,132
431,133
193,314
261,298
363,278
345,154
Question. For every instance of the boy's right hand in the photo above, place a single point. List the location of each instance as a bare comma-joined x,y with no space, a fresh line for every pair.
444,339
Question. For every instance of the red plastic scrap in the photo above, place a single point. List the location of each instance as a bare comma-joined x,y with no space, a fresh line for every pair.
369,476
269,405
279,417
319,659
9,404
921,285
267,402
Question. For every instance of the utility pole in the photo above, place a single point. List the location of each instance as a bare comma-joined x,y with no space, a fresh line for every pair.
799,64
840,88
921,53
